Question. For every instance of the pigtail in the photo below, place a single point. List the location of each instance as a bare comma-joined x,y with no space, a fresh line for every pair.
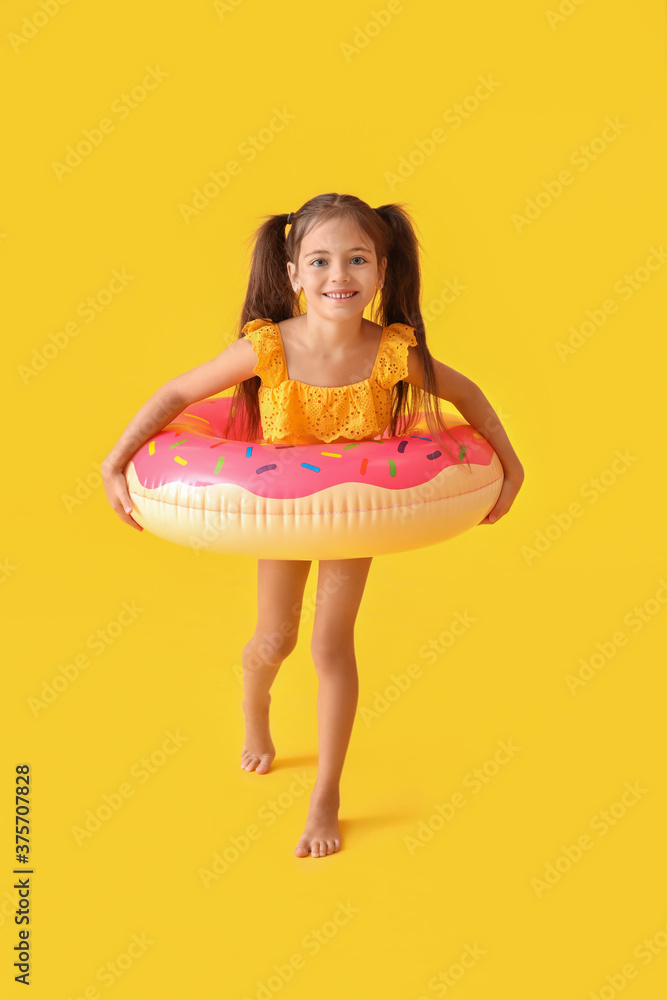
269,296
400,303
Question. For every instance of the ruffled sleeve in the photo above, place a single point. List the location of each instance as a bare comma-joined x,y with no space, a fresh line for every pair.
392,364
265,340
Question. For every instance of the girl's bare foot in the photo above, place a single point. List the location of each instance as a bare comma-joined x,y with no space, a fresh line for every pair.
322,833
258,749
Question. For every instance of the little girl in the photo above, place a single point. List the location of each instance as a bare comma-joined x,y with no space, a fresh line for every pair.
324,373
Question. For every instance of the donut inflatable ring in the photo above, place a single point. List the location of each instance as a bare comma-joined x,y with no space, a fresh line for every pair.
191,485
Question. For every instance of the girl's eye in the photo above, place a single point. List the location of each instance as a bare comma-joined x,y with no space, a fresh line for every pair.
363,259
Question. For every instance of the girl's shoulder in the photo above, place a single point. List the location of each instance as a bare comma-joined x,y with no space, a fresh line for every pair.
257,324
264,336
398,333
392,362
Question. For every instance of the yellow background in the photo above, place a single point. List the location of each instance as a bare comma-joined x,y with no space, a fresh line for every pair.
66,572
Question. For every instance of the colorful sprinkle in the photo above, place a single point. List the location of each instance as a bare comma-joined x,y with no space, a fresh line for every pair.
402,446
364,464
434,454
392,467
203,419
176,443
248,452
151,448
462,451
266,468
331,454
314,468
218,443
181,461
218,464
353,445
420,437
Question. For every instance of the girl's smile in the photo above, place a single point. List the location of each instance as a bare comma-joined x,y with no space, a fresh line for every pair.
338,263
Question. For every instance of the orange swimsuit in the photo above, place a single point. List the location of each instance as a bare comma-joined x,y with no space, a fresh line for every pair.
297,413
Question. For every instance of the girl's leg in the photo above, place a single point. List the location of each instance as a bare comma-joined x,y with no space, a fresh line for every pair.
280,587
340,586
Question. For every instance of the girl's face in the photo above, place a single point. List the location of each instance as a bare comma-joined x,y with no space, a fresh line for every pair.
337,257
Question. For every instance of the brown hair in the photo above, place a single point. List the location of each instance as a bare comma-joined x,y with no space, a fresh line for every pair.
270,296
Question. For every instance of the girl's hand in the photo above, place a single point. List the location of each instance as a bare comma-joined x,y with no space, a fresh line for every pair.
115,488
511,485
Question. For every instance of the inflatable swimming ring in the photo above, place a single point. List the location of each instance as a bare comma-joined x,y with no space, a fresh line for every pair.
192,486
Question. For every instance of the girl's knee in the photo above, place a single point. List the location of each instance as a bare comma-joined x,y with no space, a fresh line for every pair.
331,648
269,647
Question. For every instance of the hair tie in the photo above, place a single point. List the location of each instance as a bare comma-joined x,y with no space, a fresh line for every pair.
289,218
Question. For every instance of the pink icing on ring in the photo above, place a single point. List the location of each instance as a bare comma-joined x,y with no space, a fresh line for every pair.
192,450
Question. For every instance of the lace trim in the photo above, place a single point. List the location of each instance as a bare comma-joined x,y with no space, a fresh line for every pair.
297,410
390,365
264,338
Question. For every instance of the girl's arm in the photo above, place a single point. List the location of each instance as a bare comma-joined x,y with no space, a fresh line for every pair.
233,365
474,407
